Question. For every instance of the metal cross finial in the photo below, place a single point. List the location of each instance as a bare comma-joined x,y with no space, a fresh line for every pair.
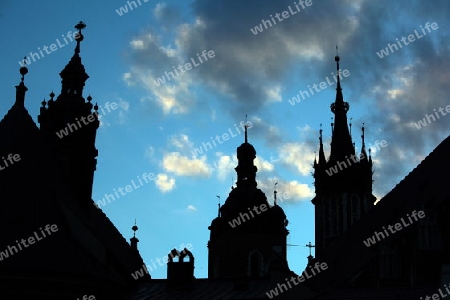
309,245
79,35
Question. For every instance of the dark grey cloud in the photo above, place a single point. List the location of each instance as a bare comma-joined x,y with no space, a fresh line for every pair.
246,65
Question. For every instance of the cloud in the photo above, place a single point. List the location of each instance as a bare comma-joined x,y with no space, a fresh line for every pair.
164,183
169,91
124,105
225,165
181,142
191,207
263,165
177,164
250,72
150,152
263,129
299,156
287,190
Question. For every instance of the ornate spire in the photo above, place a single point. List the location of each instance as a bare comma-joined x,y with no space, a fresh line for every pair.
341,143
79,36
246,137
337,58
363,146
134,240
275,193
73,75
21,88
321,152
246,170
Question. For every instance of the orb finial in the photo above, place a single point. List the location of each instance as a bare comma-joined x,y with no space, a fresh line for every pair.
24,70
134,228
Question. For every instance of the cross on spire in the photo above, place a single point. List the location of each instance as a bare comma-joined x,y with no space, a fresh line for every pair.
309,245
79,36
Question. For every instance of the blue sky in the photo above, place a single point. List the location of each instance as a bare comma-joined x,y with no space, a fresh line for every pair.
156,128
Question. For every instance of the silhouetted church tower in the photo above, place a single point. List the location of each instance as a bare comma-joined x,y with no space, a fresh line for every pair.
344,196
75,152
244,241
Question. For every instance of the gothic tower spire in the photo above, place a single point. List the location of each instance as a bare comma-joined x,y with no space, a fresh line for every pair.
69,126
363,156
322,160
341,141
73,75
343,184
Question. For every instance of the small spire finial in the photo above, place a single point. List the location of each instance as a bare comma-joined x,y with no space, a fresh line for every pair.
218,214
246,126
134,240
24,70
350,126
362,135
320,133
310,246
134,228
332,125
275,193
79,36
337,59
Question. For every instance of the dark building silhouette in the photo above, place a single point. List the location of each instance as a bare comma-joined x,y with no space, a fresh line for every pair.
248,238
56,244
51,184
342,197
